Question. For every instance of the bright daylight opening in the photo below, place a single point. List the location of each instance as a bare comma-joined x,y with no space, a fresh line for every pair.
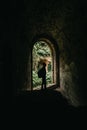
41,54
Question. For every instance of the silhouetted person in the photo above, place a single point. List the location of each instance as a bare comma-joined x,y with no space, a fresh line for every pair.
43,71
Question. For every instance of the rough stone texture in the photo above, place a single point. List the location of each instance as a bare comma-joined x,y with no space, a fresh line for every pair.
65,21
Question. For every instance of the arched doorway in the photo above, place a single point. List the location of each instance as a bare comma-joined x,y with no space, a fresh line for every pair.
54,61
42,53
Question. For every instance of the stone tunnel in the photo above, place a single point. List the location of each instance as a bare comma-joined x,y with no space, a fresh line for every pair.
60,23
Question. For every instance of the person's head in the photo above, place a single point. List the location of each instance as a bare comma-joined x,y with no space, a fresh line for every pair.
44,64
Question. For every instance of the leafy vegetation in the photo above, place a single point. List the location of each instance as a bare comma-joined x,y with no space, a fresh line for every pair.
40,51
37,81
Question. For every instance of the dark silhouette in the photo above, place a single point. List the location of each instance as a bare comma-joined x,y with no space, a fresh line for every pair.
43,71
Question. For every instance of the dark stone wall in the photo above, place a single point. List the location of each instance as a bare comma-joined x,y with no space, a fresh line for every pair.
65,21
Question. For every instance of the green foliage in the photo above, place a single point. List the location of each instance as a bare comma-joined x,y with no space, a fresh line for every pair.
49,78
37,81
40,50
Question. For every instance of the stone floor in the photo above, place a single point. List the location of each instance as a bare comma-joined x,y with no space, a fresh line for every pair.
48,98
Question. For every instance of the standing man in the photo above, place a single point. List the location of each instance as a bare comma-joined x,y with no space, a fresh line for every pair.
43,86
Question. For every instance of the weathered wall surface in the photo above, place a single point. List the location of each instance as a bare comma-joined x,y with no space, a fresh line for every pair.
65,21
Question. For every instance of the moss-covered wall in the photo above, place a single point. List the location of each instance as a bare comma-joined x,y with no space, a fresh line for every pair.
65,21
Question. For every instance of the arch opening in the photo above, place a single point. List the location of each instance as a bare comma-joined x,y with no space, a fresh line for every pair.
41,53
44,50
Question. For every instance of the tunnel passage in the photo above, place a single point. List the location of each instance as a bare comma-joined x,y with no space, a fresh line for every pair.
64,70
65,21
